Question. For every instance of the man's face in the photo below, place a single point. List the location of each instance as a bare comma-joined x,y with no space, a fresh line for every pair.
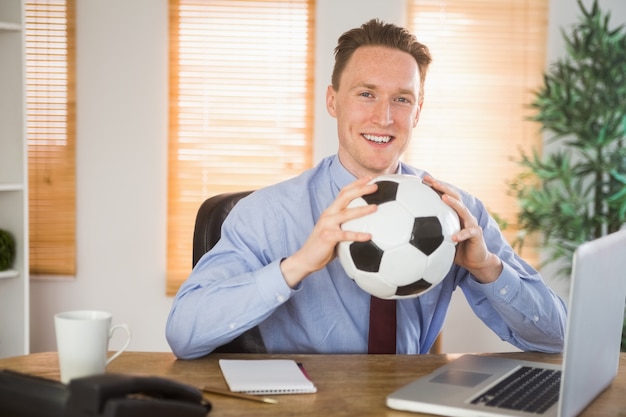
376,107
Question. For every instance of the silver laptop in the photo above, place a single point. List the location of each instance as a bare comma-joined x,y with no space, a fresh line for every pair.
474,385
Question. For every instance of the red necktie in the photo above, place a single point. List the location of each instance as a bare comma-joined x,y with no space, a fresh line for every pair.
382,335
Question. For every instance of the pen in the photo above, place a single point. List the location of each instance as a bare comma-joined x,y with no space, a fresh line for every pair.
301,366
239,395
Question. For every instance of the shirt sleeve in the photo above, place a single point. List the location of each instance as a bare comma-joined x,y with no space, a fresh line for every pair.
207,311
519,307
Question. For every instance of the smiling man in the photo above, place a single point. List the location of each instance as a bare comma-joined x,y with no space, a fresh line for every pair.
275,265
377,103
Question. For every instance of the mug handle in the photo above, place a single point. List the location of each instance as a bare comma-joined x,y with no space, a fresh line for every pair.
123,348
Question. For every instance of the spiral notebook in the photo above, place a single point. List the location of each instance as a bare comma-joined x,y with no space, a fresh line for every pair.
265,376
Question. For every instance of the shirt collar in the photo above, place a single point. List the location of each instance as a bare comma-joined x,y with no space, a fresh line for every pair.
342,177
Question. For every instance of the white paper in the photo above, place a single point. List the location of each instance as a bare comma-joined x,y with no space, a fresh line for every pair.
265,376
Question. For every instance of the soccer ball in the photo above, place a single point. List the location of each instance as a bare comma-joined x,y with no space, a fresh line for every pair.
411,249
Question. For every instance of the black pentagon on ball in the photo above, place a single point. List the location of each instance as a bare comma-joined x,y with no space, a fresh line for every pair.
417,287
427,234
385,193
366,256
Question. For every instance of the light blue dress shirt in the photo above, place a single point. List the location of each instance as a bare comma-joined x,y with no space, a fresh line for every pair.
239,285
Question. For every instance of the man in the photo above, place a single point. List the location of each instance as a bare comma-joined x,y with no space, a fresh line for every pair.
275,265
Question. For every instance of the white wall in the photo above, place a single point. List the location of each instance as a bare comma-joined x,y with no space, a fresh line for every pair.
122,169
121,174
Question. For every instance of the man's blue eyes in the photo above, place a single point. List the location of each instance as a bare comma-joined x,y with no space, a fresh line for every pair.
400,99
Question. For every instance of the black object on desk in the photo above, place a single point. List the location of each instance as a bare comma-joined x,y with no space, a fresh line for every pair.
106,395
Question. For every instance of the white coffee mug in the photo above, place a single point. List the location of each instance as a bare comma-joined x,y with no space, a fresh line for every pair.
83,341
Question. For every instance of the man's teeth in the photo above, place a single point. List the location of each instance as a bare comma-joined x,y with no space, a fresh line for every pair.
378,139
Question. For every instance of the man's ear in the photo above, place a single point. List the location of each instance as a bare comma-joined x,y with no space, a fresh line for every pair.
330,101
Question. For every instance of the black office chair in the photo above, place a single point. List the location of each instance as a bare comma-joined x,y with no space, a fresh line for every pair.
207,232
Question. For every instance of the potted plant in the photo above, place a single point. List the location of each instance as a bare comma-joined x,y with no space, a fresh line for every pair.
7,250
575,190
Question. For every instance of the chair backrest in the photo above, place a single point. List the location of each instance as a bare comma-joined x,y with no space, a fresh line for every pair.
206,233
211,215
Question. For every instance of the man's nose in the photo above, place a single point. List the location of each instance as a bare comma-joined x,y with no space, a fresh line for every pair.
382,114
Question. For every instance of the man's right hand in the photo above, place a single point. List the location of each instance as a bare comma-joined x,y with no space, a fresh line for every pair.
319,249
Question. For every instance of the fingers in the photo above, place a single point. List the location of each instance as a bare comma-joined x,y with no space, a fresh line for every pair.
449,196
472,252
443,188
319,248
354,190
469,225
338,212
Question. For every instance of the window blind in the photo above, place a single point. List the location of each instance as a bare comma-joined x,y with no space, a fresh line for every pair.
241,105
488,58
50,129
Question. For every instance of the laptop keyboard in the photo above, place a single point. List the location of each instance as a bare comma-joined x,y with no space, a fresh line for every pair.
529,389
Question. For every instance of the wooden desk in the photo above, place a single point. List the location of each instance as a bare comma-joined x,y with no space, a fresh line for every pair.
348,385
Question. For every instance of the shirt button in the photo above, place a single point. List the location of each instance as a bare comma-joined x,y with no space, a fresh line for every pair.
535,318
280,298
232,326
504,290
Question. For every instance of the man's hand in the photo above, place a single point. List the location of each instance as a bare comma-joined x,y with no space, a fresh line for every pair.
319,249
471,252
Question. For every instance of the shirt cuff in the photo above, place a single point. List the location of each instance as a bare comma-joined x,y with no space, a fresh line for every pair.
272,285
503,289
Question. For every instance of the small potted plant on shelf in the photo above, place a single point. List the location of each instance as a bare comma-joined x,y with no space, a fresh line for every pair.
576,190
7,250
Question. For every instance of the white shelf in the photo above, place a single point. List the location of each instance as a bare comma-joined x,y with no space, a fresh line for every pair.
14,283
10,27
9,273
11,187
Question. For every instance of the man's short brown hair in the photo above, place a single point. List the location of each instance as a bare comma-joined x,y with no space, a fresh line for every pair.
378,33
